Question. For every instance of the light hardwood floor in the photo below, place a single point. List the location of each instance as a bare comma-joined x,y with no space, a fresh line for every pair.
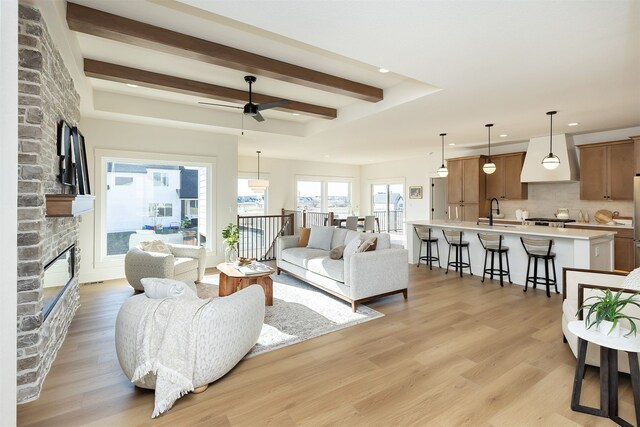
458,352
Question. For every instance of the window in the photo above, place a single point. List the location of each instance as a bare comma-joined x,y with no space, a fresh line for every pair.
160,210
324,196
152,200
124,180
250,203
160,179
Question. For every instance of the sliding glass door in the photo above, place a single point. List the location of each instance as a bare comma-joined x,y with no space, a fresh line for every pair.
388,206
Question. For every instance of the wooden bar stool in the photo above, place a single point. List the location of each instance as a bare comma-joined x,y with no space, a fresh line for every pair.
454,239
540,249
492,243
424,234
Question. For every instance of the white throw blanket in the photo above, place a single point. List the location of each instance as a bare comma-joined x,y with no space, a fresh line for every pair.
166,343
165,288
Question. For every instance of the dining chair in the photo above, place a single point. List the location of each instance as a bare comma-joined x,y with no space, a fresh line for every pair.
370,223
352,223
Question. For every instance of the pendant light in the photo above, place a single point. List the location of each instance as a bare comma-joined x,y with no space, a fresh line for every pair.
258,185
489,167
551,161
443,171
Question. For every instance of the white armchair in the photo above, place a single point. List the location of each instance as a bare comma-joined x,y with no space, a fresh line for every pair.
186,263
585,283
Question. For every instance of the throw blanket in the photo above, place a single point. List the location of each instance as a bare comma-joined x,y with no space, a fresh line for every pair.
166,343
165,288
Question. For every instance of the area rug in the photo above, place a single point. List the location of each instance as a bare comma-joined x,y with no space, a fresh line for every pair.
300,312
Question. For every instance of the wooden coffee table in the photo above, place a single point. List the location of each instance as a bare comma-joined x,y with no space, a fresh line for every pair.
231,281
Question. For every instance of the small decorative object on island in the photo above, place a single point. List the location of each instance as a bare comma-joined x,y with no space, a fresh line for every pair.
231,236
606,312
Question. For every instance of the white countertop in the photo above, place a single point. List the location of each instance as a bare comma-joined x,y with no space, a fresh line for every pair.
525,230
597,224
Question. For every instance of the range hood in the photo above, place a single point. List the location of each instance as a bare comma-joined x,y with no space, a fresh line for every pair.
563,147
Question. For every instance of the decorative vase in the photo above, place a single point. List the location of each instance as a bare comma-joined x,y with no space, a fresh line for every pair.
230,254
605,329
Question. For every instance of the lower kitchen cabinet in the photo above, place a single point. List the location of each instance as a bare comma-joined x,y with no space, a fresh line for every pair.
622,245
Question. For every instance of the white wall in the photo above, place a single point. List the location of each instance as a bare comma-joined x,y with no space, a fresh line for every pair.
124,136
282,177
8,198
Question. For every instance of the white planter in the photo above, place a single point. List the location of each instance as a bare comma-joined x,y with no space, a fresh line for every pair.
605,326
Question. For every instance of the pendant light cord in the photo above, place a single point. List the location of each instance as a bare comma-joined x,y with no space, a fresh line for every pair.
488,126
443,135
550,114
258,164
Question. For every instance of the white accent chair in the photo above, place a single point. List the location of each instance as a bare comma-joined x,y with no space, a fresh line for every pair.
228,328
185,263
591,282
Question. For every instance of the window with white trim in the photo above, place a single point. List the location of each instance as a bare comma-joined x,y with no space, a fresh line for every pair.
324,195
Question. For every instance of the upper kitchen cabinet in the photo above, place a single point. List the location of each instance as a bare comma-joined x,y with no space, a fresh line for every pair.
466,186
636,139
504,183
607,171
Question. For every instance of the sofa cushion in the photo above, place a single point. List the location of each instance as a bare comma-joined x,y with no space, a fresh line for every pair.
569,309
158,246
339,235
351,234
336,253
304,236
325,266
320,238
368,245
351,247
632,281
300,256
182,265
383,239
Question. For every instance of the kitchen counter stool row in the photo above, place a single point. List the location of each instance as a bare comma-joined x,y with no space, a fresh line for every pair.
536,250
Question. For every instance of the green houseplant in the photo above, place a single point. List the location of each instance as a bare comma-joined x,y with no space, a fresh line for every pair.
231,236
605,312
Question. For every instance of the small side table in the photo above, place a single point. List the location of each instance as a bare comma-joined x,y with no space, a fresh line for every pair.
231,281
609,347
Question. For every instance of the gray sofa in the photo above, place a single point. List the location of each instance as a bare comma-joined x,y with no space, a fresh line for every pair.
357,278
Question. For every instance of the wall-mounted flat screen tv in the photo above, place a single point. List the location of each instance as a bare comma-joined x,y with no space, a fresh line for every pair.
65,152
80,157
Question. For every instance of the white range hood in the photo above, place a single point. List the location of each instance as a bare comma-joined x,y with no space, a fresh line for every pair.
563,147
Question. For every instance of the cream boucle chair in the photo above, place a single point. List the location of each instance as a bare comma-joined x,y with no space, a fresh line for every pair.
185,263
228,328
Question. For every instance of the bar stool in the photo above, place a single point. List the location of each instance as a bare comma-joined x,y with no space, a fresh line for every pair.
540,249
493,243
424,234
454,239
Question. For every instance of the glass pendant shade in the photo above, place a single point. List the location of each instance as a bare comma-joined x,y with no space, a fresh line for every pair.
552,161
443,171
258,185
489,168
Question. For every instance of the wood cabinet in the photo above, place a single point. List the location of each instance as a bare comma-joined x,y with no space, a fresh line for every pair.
623,247
466,188
636,140
504,183
607,171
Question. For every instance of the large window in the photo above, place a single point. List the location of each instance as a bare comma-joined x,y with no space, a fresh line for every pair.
388,206
152,200
250,203
324,196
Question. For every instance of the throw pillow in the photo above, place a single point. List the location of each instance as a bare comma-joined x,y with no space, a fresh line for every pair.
320,238
368,245
304,237
166,288
351,247
336,253
632,281
156,246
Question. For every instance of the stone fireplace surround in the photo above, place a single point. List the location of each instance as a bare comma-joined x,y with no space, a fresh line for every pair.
46,96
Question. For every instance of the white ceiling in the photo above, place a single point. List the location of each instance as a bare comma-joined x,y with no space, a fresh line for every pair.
456,65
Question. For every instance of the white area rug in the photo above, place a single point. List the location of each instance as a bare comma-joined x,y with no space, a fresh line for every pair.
299,312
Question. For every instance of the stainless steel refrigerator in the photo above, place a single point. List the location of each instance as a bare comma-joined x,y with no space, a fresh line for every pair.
636,218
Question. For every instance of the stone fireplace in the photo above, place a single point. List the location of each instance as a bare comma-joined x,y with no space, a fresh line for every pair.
46,96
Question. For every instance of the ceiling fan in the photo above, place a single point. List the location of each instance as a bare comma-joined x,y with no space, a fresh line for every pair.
251,109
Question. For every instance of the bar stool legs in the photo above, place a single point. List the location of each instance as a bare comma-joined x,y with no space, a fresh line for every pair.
429,258
546,280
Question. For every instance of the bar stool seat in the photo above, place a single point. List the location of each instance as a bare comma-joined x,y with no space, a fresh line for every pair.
455,241
540,249
424,234
492,243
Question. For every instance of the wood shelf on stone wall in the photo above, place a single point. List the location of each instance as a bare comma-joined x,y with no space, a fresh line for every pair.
67,205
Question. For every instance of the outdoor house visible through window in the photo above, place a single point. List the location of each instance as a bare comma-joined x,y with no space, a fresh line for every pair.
324,195
154,201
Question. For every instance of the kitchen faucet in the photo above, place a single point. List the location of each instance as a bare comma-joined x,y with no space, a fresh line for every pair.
491,210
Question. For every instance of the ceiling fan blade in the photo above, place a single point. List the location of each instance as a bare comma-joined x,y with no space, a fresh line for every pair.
258,117
275,104
220,105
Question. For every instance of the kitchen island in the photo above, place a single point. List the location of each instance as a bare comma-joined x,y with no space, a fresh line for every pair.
592,249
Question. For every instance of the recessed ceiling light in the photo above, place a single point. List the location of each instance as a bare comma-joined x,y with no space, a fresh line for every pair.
504,135
574,124
383,70
295,114
452,144
131,85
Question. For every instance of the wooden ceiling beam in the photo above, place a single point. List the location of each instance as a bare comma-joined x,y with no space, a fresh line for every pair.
97,23
122,74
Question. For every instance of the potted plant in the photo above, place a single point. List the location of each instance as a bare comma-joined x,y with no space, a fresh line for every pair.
231,236
605,312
